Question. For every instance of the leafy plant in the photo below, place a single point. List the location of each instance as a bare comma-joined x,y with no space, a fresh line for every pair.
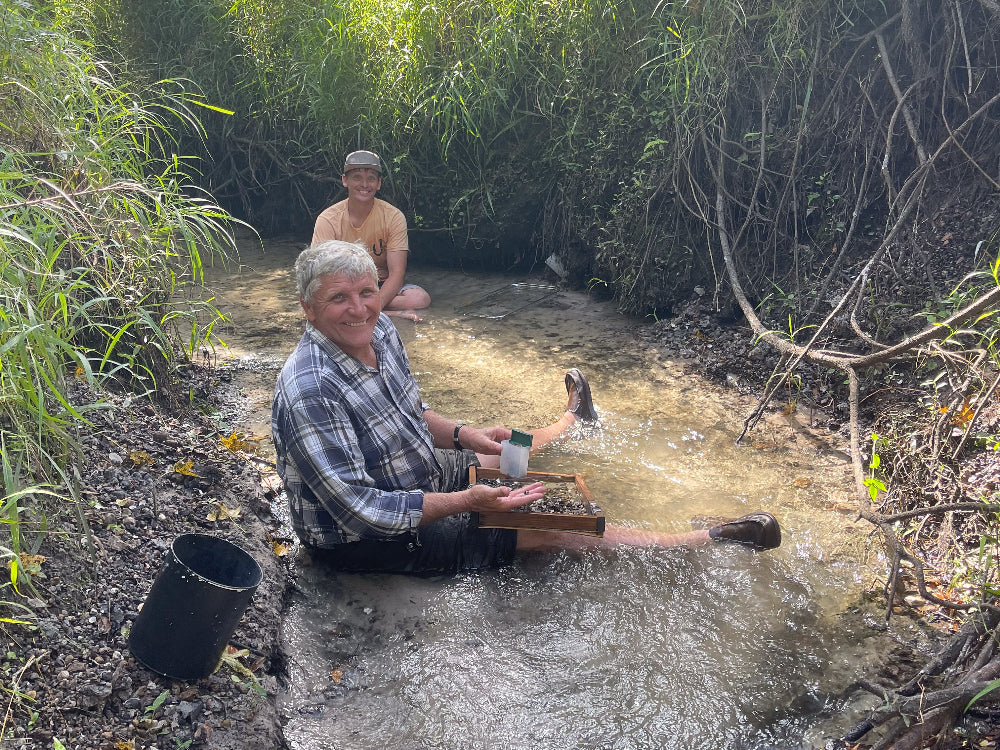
982,694
872,482
153,707
231,658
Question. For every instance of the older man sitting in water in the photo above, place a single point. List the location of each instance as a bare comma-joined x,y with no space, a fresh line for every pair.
375,478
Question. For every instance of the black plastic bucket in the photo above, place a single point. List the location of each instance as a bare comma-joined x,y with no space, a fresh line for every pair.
196,601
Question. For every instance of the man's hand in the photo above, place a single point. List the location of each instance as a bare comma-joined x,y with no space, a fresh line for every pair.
482,440
483,497
485,441
478,497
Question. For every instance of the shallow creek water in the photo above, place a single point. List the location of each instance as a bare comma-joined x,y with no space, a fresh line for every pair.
713,647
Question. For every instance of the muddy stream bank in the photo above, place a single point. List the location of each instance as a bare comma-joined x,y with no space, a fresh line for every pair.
714,647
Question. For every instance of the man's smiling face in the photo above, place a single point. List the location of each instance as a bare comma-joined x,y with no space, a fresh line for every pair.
362,184
345,311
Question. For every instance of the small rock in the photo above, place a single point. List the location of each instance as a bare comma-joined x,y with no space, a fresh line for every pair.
91,695
203,733
190,711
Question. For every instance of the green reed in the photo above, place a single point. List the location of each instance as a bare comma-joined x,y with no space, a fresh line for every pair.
101,230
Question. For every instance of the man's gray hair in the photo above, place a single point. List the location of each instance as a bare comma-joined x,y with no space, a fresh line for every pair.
330,258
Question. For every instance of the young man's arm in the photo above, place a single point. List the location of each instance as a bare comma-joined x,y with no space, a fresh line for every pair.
396,263
397,248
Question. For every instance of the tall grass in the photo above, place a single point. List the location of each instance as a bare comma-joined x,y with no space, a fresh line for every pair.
100,226
464,99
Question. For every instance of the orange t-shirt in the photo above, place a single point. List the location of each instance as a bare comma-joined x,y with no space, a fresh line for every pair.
384,231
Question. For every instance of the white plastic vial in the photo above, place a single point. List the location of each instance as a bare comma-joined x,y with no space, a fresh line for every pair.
514,454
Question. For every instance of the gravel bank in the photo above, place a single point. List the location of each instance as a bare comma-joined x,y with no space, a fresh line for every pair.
151,473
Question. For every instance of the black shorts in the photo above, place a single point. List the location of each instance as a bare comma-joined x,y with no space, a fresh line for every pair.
444,547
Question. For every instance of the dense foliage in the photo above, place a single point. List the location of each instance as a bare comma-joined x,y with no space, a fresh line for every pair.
598,131
514,129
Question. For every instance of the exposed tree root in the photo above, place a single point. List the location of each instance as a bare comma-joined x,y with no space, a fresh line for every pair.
923,711
923,707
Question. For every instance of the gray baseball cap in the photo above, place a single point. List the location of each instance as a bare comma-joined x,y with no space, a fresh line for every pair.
362,160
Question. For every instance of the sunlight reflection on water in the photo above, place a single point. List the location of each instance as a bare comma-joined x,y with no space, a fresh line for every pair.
666,649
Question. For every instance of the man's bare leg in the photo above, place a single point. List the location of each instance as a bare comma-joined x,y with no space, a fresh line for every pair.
406,303
579,408
404,314
614,536
539,438
542,436
757,530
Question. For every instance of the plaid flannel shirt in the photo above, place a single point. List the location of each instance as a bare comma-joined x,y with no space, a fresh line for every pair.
353,449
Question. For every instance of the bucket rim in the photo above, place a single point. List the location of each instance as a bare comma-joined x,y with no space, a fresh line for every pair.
259,576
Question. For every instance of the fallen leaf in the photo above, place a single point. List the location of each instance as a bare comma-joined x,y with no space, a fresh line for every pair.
964,415
140,458
222,513
280,548
186,468
336,675
32,563
238,441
